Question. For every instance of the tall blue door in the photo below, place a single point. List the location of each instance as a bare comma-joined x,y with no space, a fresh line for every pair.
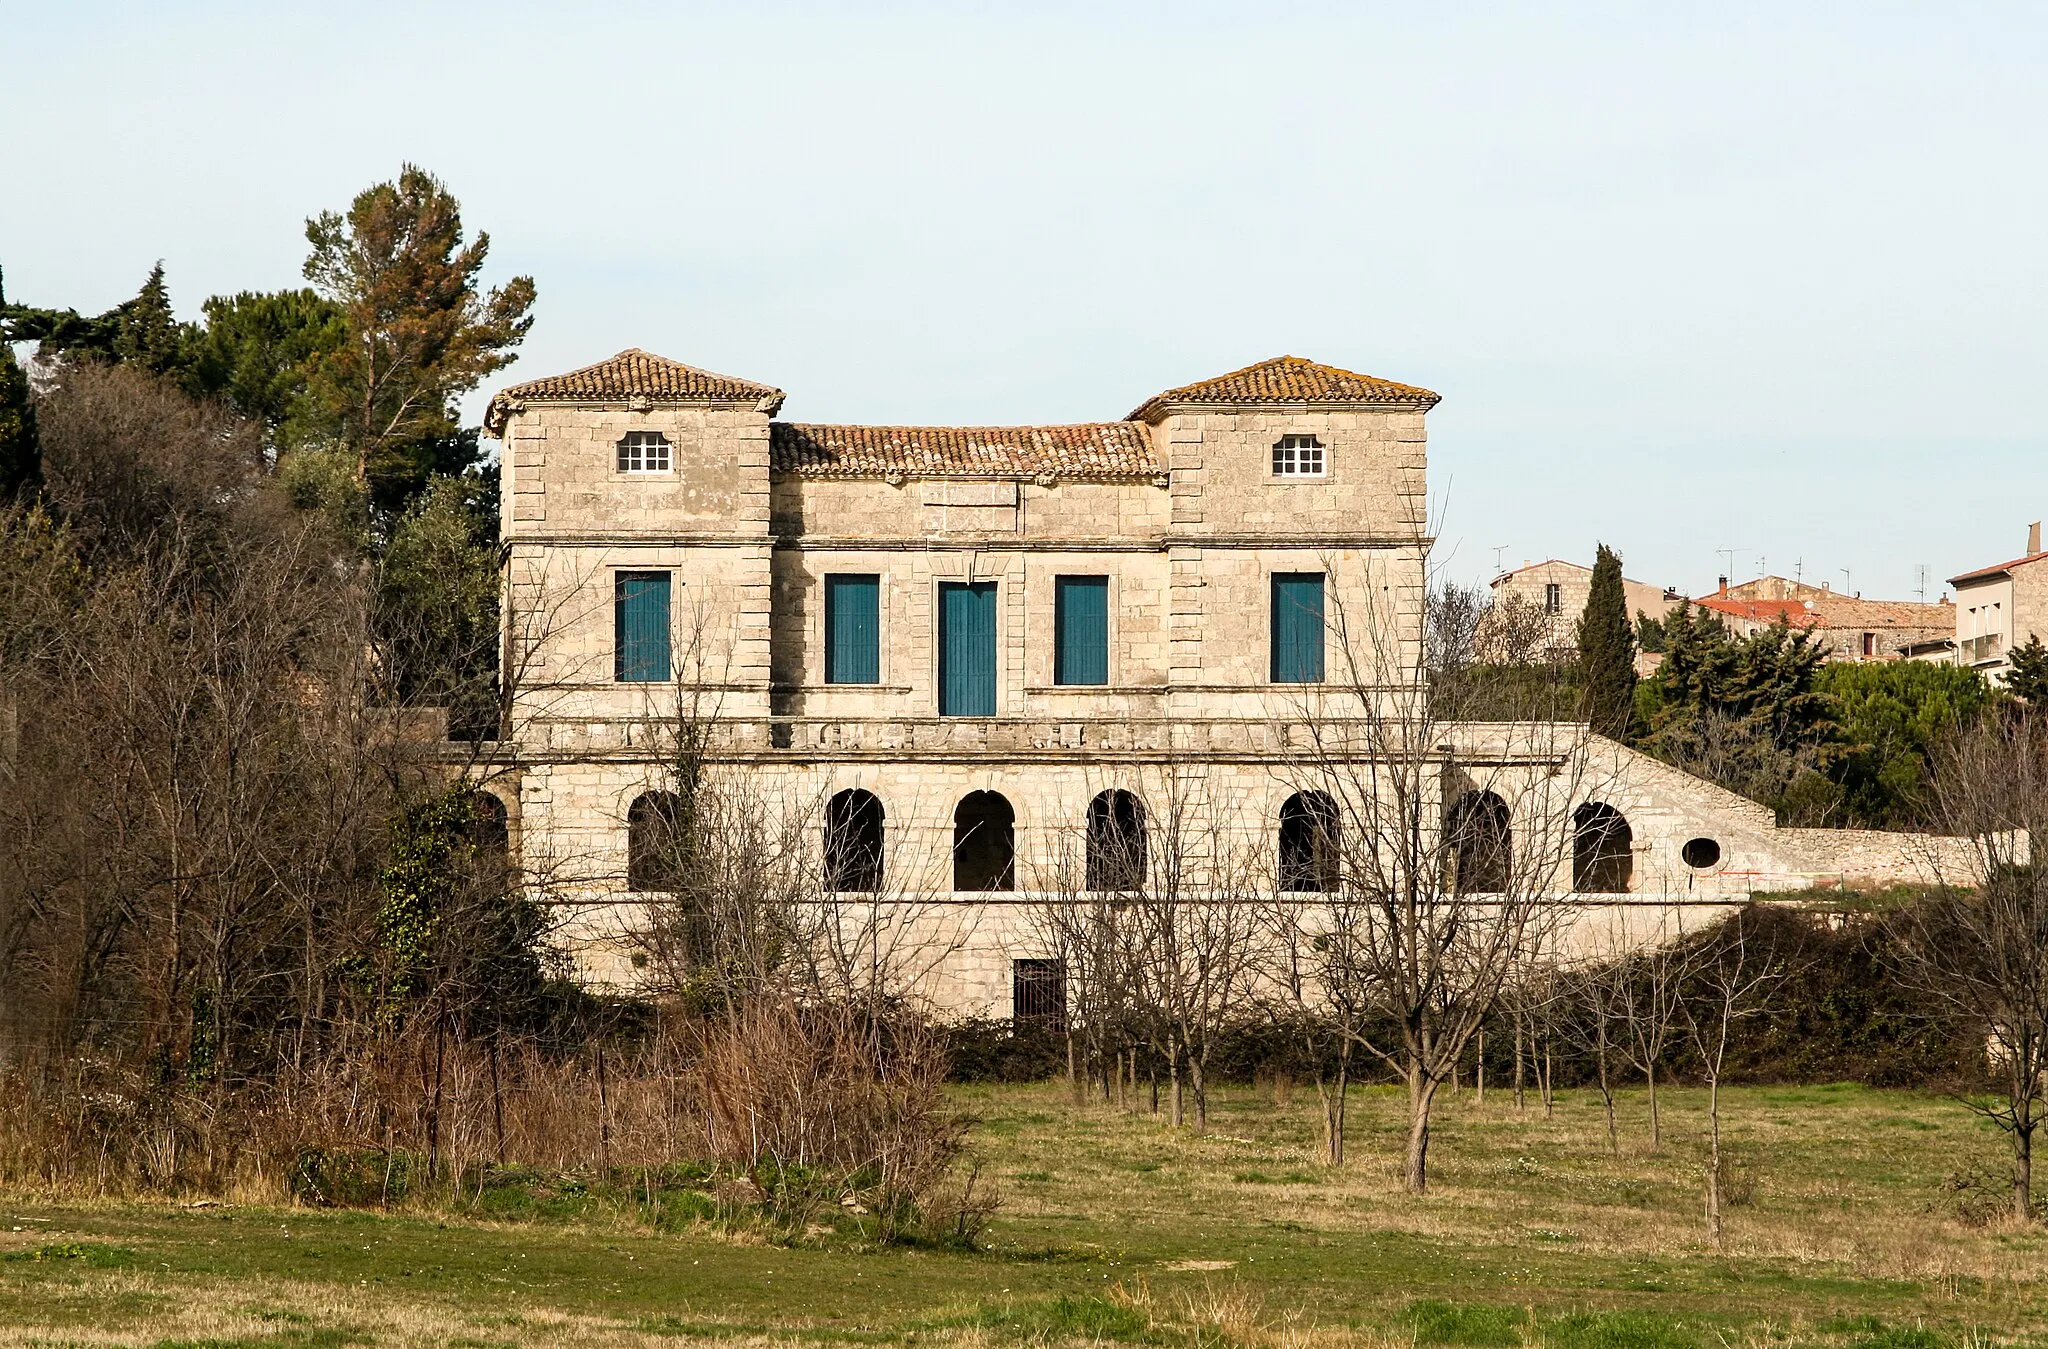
967,649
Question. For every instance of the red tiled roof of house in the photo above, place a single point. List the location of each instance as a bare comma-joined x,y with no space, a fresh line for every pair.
1289,379
1983,572
1795,614
1101,450
631,374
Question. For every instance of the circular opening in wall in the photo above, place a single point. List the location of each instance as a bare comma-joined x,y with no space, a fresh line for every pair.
1700,852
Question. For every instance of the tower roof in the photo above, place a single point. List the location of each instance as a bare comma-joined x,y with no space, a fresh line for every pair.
631,374
1289,379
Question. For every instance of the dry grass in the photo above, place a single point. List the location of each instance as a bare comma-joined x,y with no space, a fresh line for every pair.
1120,1230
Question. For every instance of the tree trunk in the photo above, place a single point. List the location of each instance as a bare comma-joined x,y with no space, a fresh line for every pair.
1714,1228
1548,1099
1178,1116
1479,1071
1606,1090
2023,1169
1196,1082
1421,1097
1333,1111
1073,1079
1656,1125
1518,1058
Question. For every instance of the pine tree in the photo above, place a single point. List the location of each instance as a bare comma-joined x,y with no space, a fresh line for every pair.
2028,679
146,333
1607,650
20,463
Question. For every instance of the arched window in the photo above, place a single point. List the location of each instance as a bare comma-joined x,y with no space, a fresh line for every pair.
1482,848
1310,839
853,842
984,843
654,841
1602,858
1116,842
489,833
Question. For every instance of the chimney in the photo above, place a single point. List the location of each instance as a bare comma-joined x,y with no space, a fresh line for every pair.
1724,587
2033,538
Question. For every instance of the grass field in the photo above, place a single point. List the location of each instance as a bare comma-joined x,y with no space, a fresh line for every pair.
1115,1229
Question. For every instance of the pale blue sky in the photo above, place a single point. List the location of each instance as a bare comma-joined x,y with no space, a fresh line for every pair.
1767,277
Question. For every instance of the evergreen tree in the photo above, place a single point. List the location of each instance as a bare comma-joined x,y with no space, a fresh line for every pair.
145,332
20,462
259,353
1607,650
420,334
2028,678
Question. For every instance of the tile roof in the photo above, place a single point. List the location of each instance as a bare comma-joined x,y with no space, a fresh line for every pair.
1834,611
632,373
1795,614
1983,573
1289,379
1102,450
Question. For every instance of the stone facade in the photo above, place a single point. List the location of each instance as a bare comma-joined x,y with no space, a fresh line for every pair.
1558,590
1185,511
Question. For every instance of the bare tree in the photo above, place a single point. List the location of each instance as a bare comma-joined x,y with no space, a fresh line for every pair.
1979,943
1733,981
1438,848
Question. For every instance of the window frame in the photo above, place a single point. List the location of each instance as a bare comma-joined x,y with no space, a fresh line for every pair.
832,583
1273,638
621,578
994,585
640,441
1296,446
1061,584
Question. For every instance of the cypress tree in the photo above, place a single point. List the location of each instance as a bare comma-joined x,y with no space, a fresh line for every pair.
1607,650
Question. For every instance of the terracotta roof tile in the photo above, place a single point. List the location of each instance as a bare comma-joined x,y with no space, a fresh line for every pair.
1795,614
1103,450
632,373
1289,379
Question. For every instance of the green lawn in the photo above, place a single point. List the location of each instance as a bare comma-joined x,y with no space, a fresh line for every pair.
1115,1228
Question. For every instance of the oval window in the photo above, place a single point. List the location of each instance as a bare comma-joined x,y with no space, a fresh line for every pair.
1700,852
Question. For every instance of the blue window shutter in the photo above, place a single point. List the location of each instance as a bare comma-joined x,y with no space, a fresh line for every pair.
967,649
1297,628
641,627
853,630
1080,630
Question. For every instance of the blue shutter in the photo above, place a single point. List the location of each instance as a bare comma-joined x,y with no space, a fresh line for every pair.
967,649
853,630
1080,653
640,627
1297,628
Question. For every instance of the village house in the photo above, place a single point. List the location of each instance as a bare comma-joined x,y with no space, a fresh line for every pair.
2000,607
1849,627
967,657
1557,590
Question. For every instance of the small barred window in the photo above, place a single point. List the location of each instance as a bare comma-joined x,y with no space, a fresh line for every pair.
1298,457
643,452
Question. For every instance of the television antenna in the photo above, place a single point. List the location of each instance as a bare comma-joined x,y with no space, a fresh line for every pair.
1499,549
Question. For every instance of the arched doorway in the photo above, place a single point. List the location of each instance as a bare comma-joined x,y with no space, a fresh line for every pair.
853,842
1116,841
1482,849
1603,856
1310,843
984,843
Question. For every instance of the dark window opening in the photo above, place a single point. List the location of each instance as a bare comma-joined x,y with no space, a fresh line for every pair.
984,843
1700,852
1038,993
1481,845
853,842
1116,842
1309,843
1603,858
654,842
1553,598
